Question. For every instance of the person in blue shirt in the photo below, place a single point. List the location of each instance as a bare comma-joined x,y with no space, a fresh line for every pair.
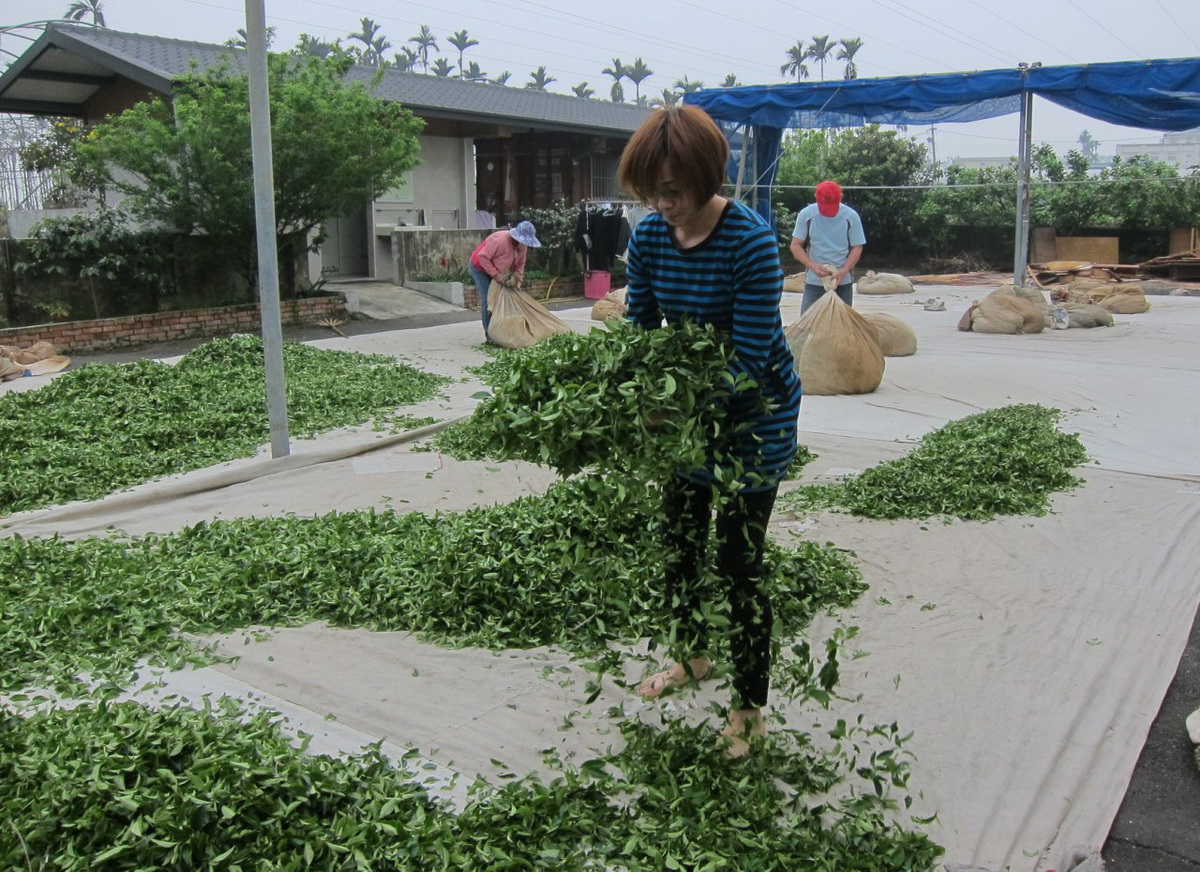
828,234
712,260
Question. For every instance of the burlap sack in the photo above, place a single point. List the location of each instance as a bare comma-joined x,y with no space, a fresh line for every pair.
611,305
896,339
883,283
1002,314
1087,315
835,349
42,350
1127,302
20,355
1029,292
10,370
518,320
794,283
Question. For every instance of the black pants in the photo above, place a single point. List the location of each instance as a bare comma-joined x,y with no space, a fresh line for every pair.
741,529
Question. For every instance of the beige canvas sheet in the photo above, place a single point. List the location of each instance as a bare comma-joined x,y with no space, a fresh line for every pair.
1027,656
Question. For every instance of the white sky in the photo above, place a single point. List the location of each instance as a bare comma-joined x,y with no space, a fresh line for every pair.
705,40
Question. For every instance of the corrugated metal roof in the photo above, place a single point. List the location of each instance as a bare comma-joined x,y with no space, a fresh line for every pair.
40,82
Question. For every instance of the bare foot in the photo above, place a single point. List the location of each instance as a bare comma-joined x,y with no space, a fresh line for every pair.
677,676
744,726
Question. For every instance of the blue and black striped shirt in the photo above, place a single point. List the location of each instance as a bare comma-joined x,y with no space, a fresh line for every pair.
733,281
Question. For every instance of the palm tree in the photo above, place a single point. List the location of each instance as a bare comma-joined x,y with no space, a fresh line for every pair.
425,41
443,68
242,40
501,79
731,81
795,66
406,59
472,73
667,98
312,47
617,71
687,86
538,80
846,53
80,9
582,90
1088,145
462,42
374,45
819,50
637,73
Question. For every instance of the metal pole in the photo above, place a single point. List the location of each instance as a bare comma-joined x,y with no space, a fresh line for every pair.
1024,159
264,214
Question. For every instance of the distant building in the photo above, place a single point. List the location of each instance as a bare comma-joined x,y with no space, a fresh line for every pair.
1182,150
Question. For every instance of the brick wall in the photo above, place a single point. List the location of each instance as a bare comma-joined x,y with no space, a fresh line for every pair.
134,330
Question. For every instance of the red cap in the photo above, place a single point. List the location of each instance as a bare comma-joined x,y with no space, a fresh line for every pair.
829,198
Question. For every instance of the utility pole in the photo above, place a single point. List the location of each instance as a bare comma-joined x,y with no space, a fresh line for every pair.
264,215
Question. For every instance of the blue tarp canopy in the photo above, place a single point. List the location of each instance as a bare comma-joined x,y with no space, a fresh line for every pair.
1155,95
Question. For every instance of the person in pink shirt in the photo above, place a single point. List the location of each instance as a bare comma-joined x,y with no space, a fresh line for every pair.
501,256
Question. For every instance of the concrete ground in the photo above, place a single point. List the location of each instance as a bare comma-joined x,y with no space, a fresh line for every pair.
1158,826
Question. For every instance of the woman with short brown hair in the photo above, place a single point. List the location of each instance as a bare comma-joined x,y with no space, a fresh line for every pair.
711,260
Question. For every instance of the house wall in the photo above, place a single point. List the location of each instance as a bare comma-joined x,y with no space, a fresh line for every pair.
418,251
76,337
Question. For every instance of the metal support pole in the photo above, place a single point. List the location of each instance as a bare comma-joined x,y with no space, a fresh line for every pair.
1024,159
264,214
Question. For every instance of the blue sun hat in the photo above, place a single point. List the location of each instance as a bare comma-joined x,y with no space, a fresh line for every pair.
524,234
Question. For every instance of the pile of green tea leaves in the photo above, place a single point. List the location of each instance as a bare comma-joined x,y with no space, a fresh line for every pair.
104,427
577,567
618,399
115,786
1005,461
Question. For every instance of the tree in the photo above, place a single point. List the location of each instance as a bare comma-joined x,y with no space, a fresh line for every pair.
638,72
582,90
730,81
316,48
81,9
473,73
185,165
617,71
819,50
443,68
538,80
462,42
241,40
795,66
425,42
1089,145
374,43
849,48
501,79
667,98
405,60
687,86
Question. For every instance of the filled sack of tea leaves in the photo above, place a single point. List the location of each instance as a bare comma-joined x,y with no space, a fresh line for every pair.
1086,315
896,338
518,320
1126,298
1005,315
883,283
835,349
611,305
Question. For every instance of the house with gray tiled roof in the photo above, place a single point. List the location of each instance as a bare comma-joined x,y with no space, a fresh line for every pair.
486,149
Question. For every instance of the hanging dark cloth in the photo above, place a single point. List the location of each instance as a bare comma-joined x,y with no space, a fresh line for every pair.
601,235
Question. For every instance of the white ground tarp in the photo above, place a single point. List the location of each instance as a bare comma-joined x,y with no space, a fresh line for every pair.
1027,656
